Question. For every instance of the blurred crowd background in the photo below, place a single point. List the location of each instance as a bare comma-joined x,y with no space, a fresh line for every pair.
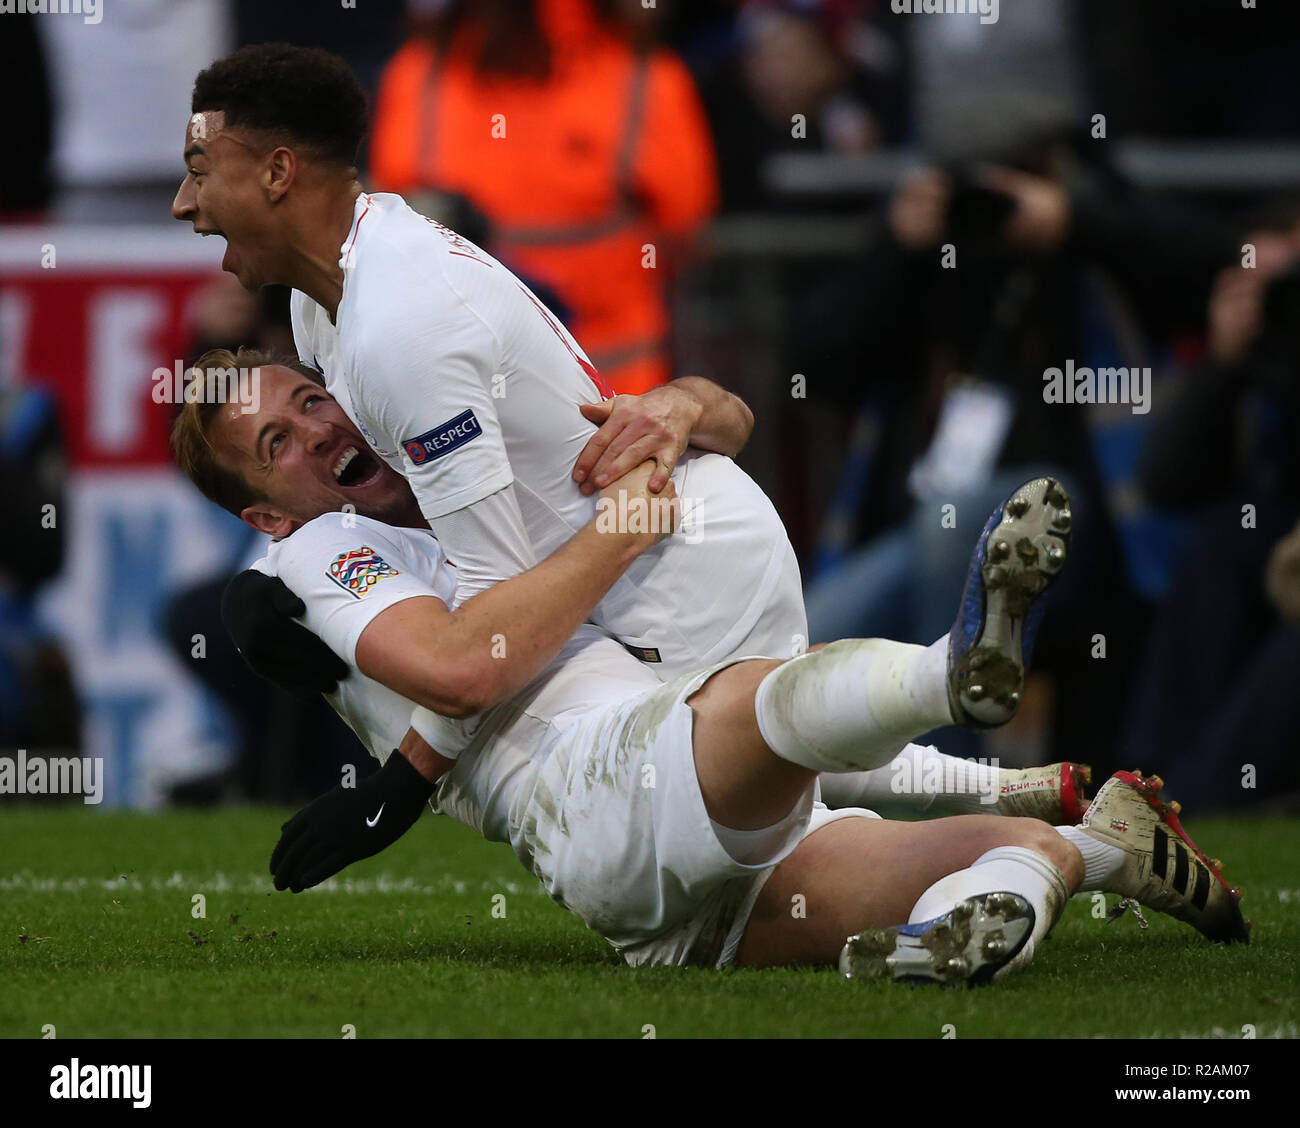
880,228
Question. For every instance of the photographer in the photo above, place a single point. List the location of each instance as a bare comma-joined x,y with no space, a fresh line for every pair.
1019,249
1218,694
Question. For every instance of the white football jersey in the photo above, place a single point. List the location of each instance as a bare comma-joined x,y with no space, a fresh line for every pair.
465,383
454,371
347,569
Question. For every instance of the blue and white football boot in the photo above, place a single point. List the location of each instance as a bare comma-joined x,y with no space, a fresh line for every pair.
1020,552
970,943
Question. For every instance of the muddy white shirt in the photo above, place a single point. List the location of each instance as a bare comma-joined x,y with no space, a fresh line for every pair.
347,569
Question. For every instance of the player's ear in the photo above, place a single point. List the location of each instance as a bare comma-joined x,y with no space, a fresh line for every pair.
266,518
281,169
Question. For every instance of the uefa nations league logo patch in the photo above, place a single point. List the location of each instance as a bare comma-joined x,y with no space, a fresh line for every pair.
356,572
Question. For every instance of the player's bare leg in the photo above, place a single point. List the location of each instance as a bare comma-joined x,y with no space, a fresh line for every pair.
763,728
857,874
862,874
745,785
748,785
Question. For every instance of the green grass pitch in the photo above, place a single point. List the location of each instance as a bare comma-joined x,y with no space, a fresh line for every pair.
100,940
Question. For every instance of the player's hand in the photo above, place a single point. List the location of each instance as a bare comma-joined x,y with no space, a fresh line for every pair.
657,424
641,513
258,611
348,824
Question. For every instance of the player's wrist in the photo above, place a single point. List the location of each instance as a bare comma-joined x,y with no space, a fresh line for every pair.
420,742
401,781
689,403
618,536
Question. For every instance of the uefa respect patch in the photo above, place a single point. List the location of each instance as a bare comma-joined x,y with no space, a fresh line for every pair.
356,572
443,439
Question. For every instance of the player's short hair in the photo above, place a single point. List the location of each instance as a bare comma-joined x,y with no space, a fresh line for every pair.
191,433
301,95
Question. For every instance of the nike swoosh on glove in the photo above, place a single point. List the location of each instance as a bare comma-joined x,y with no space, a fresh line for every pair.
258,611
348,824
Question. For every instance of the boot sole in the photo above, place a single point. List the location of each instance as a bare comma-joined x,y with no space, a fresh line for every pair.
1023,553
969,944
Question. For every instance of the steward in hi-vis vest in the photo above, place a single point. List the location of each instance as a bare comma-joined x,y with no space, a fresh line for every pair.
591,159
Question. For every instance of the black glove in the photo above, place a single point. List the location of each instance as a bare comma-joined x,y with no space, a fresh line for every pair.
258,612
348,824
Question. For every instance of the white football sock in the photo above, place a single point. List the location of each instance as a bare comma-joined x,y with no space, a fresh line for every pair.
919,778
1006,869
1101,859
854,704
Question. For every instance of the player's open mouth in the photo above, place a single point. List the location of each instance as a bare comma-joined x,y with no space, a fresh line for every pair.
225,258
355,467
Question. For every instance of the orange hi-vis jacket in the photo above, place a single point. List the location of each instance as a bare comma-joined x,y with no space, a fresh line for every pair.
587,176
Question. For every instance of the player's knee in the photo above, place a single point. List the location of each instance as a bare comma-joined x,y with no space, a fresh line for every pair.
730,691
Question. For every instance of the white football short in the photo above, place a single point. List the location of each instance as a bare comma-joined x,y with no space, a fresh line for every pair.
727,582
615,828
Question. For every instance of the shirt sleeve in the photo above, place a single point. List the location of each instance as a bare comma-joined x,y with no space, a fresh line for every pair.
347,573
427,382
444,735
486,541
430,385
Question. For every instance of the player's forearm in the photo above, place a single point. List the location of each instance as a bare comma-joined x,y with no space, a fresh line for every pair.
509,633
460,662
725,421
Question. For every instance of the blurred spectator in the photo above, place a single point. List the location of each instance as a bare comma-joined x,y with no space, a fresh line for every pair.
24,81
121,88
590,157
1218,683
694,28
1048,257
800,77
1282,577
38,705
